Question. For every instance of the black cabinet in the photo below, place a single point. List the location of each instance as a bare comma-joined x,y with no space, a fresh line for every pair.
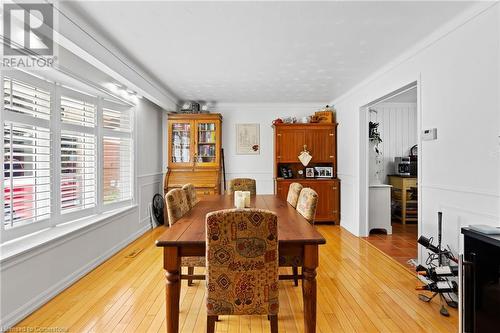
481,282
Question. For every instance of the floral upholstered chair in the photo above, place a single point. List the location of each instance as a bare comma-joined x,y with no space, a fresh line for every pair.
242,265
190,194
306,205
293,194
242,184
177,206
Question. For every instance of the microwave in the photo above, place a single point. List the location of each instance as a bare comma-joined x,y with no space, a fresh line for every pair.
405,166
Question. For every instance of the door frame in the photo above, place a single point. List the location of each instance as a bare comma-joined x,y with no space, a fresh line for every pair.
364,157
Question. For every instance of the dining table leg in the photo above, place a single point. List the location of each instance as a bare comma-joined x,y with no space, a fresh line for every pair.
172,266
309,287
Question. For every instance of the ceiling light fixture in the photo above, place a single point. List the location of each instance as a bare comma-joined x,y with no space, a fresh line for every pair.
123,92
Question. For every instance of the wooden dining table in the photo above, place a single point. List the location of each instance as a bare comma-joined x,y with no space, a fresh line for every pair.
297,238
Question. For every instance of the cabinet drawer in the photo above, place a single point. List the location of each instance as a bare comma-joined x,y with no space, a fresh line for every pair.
204,191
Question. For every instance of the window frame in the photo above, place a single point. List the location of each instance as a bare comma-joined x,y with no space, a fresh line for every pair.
56,126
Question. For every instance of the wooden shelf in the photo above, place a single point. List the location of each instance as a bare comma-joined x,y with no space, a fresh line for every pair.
407,201
408,219
408,207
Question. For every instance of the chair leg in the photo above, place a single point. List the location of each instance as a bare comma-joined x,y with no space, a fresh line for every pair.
274,323
190,272
211,324
295,270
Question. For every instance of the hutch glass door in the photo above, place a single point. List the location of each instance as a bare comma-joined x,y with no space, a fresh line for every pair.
181,143
206,144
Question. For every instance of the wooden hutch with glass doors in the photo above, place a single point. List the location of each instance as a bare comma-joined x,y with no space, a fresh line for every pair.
194,152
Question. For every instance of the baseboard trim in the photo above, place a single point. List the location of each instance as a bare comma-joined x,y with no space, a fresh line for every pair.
16,316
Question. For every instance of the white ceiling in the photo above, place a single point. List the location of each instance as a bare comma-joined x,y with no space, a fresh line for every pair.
264,51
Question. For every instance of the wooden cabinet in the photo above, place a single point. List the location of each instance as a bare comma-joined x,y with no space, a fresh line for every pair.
194,148
321,144
320,141
328,209
289,141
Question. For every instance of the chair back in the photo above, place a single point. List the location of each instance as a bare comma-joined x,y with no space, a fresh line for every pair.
190,194
293,194
307,203
242,262
242,184
177,205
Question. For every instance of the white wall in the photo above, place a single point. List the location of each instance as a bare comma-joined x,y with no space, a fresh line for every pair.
29,280
259,167
398,131
459,94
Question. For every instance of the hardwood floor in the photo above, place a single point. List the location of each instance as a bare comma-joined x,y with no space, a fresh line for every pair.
360,289
401,245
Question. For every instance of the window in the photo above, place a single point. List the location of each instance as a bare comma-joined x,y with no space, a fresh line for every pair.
27,153
60,168
74,111
25,99
118,152
117,169
78,153
26,174
78,171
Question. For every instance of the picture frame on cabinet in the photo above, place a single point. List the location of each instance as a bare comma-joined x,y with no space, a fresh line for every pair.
324,172
309,172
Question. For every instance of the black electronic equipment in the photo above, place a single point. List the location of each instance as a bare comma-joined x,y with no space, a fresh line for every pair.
438,275
441,253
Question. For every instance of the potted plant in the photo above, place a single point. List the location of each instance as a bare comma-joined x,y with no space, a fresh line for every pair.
375,139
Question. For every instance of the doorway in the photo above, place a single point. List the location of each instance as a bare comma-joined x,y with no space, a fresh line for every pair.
391,159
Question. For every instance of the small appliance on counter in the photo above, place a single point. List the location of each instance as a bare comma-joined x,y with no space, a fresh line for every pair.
405,166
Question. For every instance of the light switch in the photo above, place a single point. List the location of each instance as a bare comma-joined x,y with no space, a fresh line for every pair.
429,134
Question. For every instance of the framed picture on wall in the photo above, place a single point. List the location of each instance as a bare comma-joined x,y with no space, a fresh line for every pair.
247,139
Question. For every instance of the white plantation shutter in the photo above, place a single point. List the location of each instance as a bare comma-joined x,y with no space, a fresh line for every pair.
27,151
78,171
117,154
78,179
26,99
74,111
115,120
26,174
117,169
